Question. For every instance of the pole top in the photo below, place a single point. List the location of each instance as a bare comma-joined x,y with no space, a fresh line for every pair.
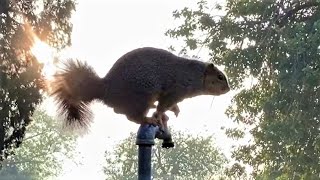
147,133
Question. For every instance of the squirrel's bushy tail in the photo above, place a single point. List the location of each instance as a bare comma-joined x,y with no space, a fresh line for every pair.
74,87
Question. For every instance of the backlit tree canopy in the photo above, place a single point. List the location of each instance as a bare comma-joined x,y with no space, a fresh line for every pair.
277,43
193,157
41,154
19,71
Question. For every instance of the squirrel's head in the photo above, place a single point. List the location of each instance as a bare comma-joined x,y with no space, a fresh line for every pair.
215,82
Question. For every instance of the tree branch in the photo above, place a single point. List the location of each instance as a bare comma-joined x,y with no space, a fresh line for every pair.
283,19
30,137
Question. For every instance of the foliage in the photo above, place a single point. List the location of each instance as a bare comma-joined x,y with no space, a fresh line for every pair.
42,151
193,157
20,73
275,42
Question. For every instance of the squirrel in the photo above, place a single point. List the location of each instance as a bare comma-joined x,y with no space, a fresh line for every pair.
135,82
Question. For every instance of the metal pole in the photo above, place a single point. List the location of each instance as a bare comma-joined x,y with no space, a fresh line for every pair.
145,140
144,162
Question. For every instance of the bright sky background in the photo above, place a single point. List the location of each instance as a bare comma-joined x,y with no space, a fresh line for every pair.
105,30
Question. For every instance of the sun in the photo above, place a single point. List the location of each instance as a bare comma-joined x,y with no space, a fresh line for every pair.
45,55
42,51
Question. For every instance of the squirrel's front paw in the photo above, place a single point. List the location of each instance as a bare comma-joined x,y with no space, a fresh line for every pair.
175,109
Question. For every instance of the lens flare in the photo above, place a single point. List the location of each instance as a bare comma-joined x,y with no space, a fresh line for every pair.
44,55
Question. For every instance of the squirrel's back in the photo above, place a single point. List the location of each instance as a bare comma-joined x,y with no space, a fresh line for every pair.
140,76
151,69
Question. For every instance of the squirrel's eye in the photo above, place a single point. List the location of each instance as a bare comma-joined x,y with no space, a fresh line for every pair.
220,77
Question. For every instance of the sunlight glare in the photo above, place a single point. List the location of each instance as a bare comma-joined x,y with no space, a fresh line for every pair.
45,55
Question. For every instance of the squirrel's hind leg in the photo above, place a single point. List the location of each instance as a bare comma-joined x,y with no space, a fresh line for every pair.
162,119
150,120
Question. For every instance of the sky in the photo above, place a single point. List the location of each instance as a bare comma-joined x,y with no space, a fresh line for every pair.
102,32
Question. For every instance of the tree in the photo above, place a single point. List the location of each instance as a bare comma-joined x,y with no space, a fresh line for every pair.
41,153
277,44
191,158
20,73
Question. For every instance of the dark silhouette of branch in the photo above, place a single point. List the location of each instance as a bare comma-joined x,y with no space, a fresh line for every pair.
290,12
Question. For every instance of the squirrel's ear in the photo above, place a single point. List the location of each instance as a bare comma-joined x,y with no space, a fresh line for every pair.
210,68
